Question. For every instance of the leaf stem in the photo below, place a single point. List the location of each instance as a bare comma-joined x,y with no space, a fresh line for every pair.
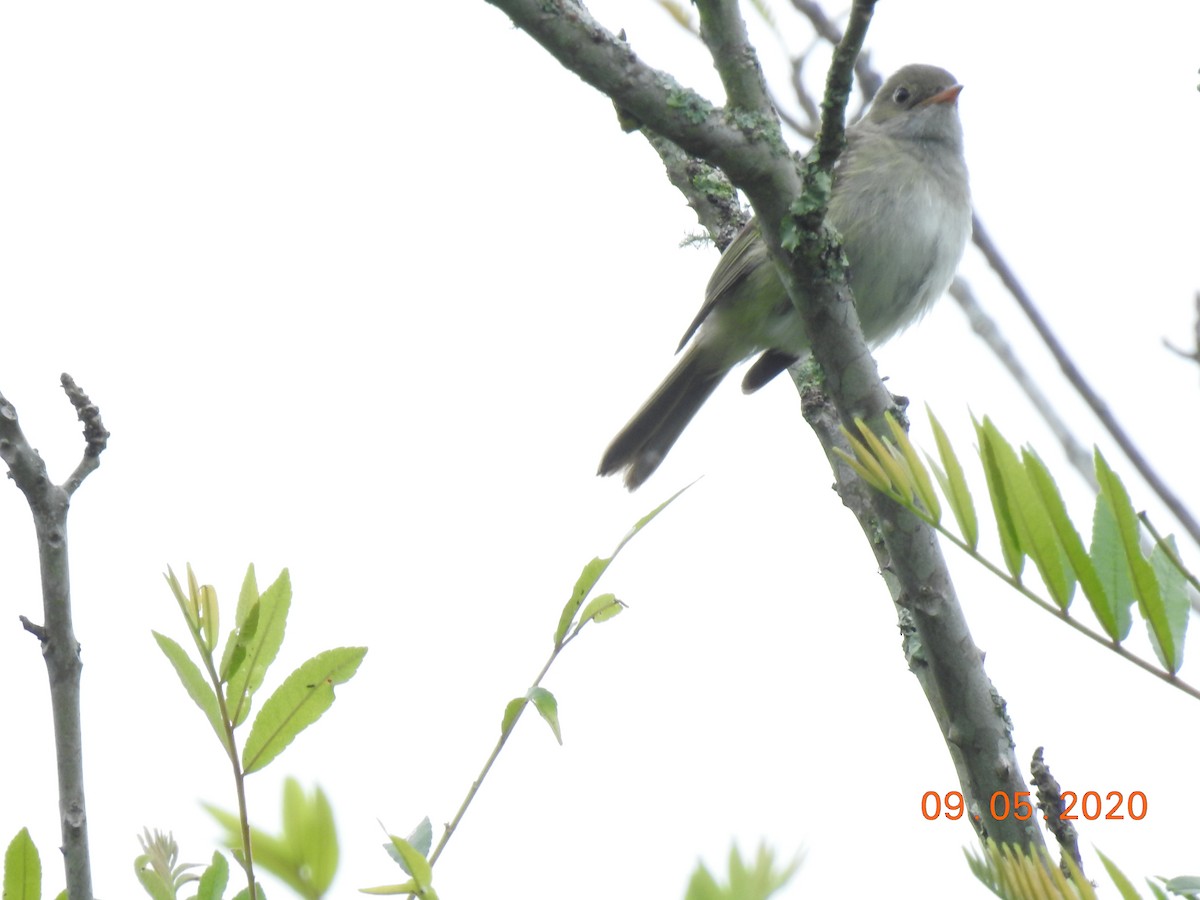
1049,607
487,766
239,777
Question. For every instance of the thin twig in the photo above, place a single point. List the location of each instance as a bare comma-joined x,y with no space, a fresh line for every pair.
869,80
1182,515
987,331
50,504
1050,802
723,31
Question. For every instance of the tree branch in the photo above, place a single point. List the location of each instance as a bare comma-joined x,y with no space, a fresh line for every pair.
869,81
705,188
49,504
723,31
1169,498
937,642
745,142
749,152
984,326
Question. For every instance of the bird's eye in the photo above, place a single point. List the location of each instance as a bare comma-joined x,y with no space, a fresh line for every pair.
901,96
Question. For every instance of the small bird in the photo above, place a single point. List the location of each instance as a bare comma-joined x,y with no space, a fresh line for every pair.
902,205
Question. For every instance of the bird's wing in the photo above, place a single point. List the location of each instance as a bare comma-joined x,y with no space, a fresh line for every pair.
739,258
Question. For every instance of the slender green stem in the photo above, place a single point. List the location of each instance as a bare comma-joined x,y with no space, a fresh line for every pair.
239,777
487,766
1060,614
571,631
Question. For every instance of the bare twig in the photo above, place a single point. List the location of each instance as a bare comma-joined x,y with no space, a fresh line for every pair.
1182,515
986,329
93,432
50,504
869,80
807,129
724,33
1050,802
1193,354
33,628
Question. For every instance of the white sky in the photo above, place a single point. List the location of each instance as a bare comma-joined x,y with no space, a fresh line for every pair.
365,289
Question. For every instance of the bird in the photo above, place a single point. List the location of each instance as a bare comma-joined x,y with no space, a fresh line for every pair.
901,202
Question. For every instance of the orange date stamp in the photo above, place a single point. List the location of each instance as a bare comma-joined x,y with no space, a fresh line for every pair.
1089,805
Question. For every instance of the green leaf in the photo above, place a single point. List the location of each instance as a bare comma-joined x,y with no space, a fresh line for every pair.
408,887
297,703
1108,559
600,609
193,682
421,840
277,854
152,883
193,591
1123,884
1102,604
22,869
422,837
922,484
753,880
593,570
413,862
270,852
865,465
229,821
547,707
273,854
180,597
305,854
1173,584
417,865
512,712
308,828
583,585
260,636
703,886
1077,556
214,880
1167,546
1039,538
1145,584
647,519
991,444
210,616
248,595
887,462
235,649
954,484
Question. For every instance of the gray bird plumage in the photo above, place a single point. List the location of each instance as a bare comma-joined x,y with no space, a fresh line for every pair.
902,205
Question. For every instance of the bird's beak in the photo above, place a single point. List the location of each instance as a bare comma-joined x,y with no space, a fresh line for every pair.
949,95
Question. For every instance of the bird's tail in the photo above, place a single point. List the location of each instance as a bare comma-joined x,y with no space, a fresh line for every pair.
643,443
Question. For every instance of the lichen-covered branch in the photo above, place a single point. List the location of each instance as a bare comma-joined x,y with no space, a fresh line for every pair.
724,33
743,139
